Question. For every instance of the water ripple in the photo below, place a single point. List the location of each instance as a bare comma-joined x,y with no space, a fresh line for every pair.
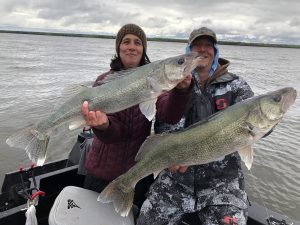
35,69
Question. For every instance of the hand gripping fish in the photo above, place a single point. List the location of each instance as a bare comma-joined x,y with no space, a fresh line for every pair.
234,129
141,86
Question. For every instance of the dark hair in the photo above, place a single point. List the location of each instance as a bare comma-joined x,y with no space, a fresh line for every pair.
117,65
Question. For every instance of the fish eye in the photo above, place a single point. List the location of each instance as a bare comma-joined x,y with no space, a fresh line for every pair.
277,98
180,61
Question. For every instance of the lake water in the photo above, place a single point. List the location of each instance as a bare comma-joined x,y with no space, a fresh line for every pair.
35,69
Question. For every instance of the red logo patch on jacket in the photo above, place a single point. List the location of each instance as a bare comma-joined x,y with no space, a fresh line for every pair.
230,220
222,103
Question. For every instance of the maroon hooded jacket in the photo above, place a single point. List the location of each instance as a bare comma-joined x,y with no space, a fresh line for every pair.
113,150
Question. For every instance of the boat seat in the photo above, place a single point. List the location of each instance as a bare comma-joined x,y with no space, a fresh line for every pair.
78,206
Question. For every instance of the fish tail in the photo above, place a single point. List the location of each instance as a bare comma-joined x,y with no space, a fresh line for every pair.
33,141
122,199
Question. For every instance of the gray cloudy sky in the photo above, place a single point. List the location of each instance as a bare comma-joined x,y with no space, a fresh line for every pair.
269,21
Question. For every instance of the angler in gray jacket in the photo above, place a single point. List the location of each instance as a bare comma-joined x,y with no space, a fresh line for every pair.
216,191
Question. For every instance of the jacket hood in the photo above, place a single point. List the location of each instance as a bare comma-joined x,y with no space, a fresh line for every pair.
221,74
221,68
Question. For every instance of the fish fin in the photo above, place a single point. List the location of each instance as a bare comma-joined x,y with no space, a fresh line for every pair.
116,75
155,174
148,144
122,200
70,91
247,156
154,89
73,89
155,86
88,84
34,142
148,108
77,123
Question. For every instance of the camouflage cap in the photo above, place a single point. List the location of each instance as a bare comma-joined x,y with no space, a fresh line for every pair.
131,29
203,31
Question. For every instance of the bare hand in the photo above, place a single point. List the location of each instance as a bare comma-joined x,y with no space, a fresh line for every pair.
96,119
178,168
185,84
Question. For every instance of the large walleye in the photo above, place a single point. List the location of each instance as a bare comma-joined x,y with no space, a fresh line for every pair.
137,86
231,130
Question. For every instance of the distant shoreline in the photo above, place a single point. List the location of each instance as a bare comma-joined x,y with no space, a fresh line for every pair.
149,39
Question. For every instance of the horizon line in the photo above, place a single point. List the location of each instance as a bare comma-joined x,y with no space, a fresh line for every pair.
159,39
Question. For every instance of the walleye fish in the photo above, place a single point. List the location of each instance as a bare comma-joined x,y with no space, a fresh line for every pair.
131,87
228,131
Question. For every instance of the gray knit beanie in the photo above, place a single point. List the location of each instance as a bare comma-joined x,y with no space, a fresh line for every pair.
131,29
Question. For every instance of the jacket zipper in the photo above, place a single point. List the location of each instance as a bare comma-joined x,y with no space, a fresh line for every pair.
127,138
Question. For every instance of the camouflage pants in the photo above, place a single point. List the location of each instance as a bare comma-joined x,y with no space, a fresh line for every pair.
168,201
211,215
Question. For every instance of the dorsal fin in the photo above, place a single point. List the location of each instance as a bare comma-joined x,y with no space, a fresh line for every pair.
116,75
73,89
148,144
70,91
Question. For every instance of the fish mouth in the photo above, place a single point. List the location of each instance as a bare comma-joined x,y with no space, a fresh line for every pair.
289,96
188,69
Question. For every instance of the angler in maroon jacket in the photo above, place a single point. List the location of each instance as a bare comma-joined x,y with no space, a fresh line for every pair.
118,136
